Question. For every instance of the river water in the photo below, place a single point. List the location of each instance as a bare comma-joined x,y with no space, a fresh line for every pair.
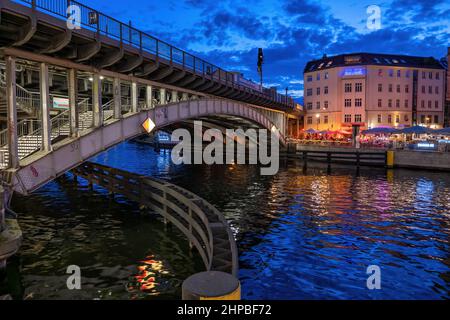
301,235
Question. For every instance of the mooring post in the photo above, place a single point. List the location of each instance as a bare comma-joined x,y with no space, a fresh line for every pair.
211,285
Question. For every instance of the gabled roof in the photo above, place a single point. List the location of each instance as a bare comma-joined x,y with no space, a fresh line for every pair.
363,58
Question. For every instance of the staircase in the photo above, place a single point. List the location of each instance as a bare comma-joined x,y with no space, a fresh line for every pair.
27,101
30,131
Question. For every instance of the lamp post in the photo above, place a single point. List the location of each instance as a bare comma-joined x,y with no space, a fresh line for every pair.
317,121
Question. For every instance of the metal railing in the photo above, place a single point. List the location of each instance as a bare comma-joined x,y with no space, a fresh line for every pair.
26,100
96,21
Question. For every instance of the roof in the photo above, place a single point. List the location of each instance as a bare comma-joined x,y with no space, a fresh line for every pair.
380,59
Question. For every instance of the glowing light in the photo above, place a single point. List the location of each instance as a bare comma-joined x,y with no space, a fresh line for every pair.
148,125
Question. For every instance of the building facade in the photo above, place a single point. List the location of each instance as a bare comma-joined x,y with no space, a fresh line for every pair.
373,90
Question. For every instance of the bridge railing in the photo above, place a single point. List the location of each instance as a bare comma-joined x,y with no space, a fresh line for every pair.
203,225
94,20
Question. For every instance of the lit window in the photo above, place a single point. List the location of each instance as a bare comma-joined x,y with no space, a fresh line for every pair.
326,73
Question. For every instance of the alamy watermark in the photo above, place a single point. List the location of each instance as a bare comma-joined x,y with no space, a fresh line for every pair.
74,280
374,280
374,18
252,147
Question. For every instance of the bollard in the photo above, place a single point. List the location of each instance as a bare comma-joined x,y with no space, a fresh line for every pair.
211,285
390,159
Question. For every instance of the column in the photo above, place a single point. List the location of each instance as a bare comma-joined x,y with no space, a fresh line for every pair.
73,101
45,108
185,96
162,93
13,146
117,98
97,100
174,96
149,97
134,97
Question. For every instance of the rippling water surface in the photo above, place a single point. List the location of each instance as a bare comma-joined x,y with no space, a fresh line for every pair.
300,235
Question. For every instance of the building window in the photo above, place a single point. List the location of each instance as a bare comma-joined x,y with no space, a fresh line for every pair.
436,104
436,90
406,89
379,118
380,72
390,103
309,120
406,103
406,118
397,118
318,91
318,76
309,78
437,75
318,120
358,102
325,104
397,103
326,75
380,87
348,103
325,90
429,118
430,75
389,119
429,104
390,88
422,119
423,89
430,89
348,118
358,87
398,73
358,118
380,103
309,106
348,87
424,75
398,88
325,119
391,73
309,92
422,104
318,105
436,119
407,74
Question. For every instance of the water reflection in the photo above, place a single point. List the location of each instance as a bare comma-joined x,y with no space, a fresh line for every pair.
309,235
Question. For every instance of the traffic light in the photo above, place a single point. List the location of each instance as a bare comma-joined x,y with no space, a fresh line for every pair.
260,59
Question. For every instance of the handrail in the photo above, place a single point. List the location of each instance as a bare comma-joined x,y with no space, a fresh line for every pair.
204,226
96,21
26,99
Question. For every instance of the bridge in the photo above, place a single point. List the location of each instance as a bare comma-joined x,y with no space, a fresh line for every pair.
68,93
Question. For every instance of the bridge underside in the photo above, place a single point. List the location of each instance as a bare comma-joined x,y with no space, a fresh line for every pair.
32,30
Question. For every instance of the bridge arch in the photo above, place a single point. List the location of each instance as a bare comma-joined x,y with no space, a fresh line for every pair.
41,167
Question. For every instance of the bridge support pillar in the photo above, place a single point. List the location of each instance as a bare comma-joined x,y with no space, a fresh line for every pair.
162,93
73,102
149,97
45,108
174,97
13,145
117,98
185,96
97,100
134,97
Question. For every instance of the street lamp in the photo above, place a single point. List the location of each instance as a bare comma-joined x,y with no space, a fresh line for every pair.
317,117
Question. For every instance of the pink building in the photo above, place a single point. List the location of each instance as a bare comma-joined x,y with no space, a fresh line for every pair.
373,90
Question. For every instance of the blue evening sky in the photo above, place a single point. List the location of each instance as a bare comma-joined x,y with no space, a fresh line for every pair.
228,32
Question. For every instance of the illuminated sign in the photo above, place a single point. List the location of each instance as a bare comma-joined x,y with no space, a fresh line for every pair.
148,125
426,145
348,72
60,103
